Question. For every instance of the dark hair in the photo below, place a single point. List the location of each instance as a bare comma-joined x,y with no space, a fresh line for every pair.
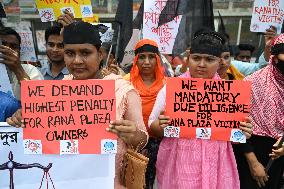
10,31
245,47
53,30
208,42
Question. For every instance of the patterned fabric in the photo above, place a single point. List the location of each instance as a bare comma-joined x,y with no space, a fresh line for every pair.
267,109
8,106
194,163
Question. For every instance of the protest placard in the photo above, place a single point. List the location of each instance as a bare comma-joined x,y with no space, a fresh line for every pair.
165,34
69,117
267,13
50,10
129,50
207,109
60,172
27,46
5,85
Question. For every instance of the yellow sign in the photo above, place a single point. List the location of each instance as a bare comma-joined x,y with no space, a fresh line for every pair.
94,19
50,10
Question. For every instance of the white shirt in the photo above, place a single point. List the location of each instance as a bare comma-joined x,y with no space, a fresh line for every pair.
32,72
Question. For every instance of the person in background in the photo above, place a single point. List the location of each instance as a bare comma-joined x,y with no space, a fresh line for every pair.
226,69
147,77
267,113
195,163
82,56
10,56
244,52
54,68
245,68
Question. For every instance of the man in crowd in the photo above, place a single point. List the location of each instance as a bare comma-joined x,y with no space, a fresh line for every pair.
10,56
244,52
54,68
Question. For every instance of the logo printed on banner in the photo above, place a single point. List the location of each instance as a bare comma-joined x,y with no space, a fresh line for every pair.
47,15
32,146
86,11
203,133
69,9
69,147
108,146
238,136
172,132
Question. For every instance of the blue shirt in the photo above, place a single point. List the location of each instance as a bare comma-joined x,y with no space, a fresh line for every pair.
8,106
248,68
47,74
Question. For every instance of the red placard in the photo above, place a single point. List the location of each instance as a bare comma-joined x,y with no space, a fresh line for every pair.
207,109
56,111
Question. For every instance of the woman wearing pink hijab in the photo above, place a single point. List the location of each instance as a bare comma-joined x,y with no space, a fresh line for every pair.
267,113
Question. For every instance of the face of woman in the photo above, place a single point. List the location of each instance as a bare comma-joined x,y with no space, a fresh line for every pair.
82,60
146,63
225,63
203,65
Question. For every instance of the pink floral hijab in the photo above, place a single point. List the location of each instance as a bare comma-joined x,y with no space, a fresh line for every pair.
267,109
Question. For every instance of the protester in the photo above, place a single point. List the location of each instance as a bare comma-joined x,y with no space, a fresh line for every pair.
196,163
10,56
245,68
267,113
82,58
244,52
54,68
147,77
226,69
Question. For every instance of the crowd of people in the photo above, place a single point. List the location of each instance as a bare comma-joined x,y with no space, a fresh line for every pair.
75,52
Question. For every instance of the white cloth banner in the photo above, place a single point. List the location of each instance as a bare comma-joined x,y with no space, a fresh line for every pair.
5,85
267,13
67,171
164,35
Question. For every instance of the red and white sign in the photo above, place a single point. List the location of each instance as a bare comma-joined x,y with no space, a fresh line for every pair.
164,35
267,13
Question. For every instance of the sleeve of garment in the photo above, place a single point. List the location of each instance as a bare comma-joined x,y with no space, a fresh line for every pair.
159,106
134,111
247,68
12,108
246,147
32,72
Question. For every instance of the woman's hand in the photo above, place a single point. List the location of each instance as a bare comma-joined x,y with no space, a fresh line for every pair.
124,129
16,119
157,127
276,153
246,127
163,120
113,68
258,173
